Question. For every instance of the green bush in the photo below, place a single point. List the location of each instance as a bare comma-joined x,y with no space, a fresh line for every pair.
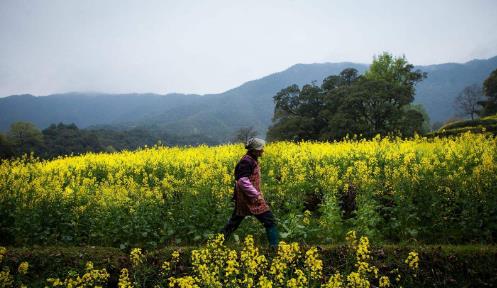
487,121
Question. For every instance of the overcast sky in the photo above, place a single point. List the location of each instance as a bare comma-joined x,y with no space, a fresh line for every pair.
56,46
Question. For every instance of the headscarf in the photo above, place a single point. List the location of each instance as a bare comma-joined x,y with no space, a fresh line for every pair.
255,144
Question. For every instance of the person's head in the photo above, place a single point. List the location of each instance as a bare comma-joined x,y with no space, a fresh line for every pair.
255,146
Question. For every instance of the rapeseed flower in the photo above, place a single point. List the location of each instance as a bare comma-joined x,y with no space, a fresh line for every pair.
412,260
124,281
3,251
384,282
136,257
313,263
23,268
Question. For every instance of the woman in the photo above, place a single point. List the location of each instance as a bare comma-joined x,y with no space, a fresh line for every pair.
248,196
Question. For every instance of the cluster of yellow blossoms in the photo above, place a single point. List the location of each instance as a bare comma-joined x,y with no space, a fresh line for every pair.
136,257
361,278
413,260
216,265
124,281
6,278
313,263
3,251
23,268
91,278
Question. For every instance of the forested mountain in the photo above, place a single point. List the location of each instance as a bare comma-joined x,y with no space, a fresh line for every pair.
445,81
219,115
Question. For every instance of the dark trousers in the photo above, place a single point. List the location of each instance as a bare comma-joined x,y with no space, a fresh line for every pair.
266,218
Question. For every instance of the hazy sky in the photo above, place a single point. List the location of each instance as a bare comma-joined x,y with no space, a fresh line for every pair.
56,46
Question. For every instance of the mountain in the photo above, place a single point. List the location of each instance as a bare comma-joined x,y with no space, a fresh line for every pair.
219,115
86,109
446,81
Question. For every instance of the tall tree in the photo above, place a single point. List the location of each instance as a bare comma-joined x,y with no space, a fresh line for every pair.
25,137
397,72
377,102
490,91
296,115
468,101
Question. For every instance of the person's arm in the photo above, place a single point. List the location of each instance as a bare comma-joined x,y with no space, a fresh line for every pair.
246,186
243,172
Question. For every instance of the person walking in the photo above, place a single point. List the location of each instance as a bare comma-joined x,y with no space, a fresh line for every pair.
248,196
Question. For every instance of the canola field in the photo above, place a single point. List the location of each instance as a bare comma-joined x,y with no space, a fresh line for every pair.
440,191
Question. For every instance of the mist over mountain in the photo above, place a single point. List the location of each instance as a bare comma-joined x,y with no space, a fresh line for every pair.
219,115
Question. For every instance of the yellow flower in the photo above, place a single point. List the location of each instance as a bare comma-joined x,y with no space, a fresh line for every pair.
250,258
313,263
307,217
362,252
412,260
136,257
6,280
231,264
166,267
355,280
335,281
3,251
351,239
55,282
23,268
287,255
264,282
183,282
384,282
91,278
124,281
175,256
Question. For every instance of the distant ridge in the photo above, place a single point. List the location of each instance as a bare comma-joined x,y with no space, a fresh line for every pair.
219,115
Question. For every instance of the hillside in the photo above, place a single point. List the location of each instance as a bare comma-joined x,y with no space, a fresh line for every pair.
219,115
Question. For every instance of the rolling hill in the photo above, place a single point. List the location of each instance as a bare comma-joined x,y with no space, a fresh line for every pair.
219,115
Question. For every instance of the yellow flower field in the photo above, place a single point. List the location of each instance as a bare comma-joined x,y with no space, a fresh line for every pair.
435,190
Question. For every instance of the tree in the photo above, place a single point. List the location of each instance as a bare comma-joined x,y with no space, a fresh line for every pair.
397,72
370,107
5,147
376,103
296,115
348,76
412,122
66,139
490,91
25,137
425,126
244,134
467,103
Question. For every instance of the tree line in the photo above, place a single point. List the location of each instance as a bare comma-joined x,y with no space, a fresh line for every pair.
379,102
66,139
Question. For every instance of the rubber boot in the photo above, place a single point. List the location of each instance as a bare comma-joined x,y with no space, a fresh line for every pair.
272,237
